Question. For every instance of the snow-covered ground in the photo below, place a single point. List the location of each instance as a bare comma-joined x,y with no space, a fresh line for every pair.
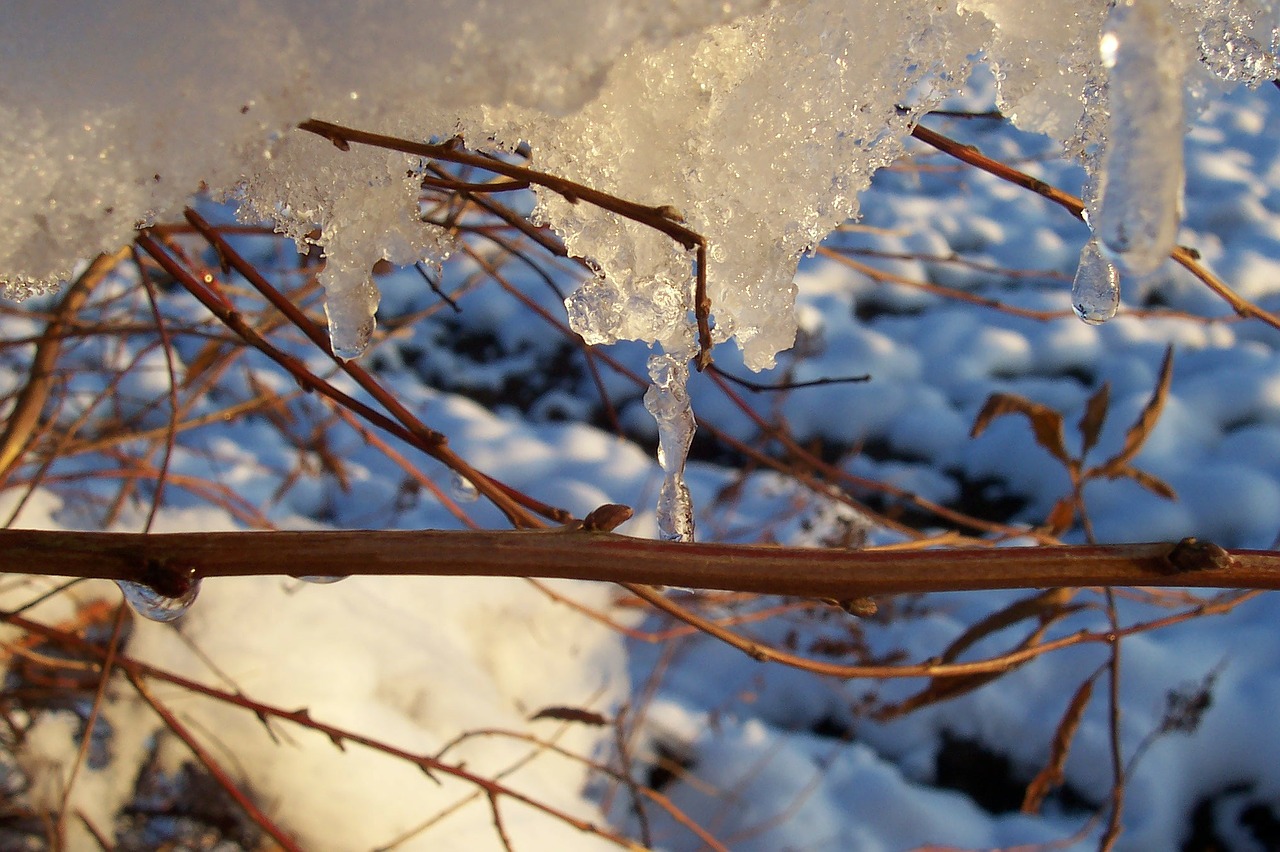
763,757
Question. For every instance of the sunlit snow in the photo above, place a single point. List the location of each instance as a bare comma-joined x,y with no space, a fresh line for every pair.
761,128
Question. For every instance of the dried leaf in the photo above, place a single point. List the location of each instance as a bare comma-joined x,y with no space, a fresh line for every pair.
1061,516
1037,605
1095,412
571,714
1154,484
205,358
1051,775
1138,432
939,690
1046,424
1049,605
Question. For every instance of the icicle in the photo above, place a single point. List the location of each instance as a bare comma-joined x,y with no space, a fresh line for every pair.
668,401
1142,159
149,603
349,305
1095,292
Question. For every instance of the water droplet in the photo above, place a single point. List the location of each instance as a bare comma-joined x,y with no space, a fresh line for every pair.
349,343
149,603
463,489
321,580
1095,292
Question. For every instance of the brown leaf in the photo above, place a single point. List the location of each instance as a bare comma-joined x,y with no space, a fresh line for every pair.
571,714
1033,606
946,688
1095,412
1152,483
1138,432
205,358
1051,775
1061,516
939,690
1046,424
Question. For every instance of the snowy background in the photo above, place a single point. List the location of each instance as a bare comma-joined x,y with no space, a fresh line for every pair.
761,757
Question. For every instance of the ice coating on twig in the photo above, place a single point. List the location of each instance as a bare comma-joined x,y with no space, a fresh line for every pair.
668,401
1141,176
1241,41
759,121
1095,292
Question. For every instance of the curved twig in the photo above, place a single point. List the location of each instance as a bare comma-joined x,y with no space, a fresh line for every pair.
662,218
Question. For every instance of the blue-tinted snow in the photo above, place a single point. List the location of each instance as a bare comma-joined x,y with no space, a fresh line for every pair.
419,660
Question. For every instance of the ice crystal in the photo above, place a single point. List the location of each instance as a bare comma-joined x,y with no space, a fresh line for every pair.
760,122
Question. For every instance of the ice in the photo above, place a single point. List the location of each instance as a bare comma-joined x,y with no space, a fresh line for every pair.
668,401
1141,173
152,604
1095,292
763,163
1241,41
462,489
759,122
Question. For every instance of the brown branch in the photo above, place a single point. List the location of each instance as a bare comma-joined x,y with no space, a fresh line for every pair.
568,553
403,425
1185,257
662,218
242,800
26,411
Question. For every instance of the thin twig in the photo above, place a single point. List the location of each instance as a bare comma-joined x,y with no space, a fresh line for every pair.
26,411
136,670
246,804
1185,257
662,218
1114,819
95,711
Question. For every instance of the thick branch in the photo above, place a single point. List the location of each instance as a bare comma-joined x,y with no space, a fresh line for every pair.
568,553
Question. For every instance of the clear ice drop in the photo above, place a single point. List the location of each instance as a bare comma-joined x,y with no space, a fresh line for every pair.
320,579
1141,172
147,602
668,401
350,342
350,304
463,489
1095,292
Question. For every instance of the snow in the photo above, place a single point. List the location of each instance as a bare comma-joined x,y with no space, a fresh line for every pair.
691,109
